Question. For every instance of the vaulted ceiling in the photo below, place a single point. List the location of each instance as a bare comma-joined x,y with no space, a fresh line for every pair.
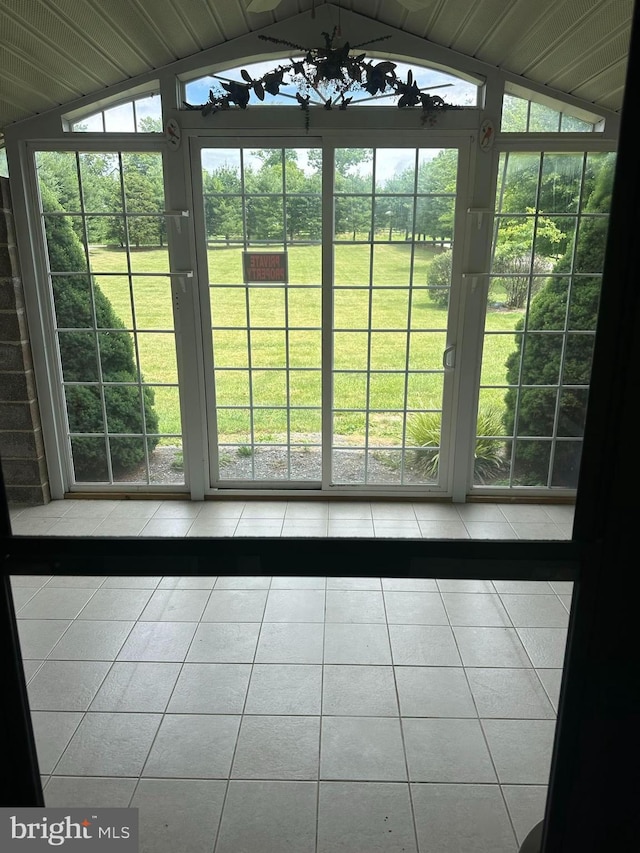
54,51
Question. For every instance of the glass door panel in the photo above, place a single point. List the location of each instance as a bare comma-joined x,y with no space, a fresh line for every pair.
359,401
393,240
263,222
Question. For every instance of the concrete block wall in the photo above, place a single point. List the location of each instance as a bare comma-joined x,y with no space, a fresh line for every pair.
21,447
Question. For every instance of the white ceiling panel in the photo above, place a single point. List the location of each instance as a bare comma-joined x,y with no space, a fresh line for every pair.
52,51
607,58
480,25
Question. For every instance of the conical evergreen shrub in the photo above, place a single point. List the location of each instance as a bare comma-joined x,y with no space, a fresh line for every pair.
98,342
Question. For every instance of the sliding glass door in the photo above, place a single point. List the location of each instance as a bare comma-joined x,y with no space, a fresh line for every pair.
327,351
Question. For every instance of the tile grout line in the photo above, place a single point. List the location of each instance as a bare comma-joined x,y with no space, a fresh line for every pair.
242,716
324,633
535,669
500,784
86,710
164,713
400,723
484,735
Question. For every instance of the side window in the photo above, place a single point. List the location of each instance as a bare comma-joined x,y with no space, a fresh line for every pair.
525,115
104,226
551,219
136,115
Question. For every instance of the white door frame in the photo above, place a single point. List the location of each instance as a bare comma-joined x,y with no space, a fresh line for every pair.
452,405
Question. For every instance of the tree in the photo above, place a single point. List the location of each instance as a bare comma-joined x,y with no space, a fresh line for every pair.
303,203
395,212
139,230
274,156
352,215
514,114
516,258
568,299
302,192
143,187
223,203
353,188
548,184
437,178
100,174
264,208
149,124
266,188
98,347
59,171
345,160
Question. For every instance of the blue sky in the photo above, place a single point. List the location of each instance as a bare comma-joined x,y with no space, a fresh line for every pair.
389,161
453,89
120,119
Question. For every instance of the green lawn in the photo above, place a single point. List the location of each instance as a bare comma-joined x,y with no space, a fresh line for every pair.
271,310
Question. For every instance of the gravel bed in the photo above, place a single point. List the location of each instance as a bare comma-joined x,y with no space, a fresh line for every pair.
269,462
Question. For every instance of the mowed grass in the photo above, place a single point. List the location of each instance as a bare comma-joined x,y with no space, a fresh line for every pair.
286,322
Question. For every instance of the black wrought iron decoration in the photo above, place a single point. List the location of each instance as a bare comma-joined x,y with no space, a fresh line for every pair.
333,66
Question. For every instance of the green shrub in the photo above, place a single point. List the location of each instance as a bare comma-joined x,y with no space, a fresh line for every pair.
519,283
424,431
439,279
545,363
75,304
512,257
490,455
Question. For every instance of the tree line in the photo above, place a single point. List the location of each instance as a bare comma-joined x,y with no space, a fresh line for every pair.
108,183
275,198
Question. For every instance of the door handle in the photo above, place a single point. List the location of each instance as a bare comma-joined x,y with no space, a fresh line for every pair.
449,357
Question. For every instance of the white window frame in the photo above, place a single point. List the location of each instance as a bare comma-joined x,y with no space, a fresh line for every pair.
335,139
47,131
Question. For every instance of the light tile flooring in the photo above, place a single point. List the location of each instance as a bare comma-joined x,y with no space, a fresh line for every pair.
297,715
381,519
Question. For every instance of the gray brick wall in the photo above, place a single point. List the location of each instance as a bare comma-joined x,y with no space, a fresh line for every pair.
21,448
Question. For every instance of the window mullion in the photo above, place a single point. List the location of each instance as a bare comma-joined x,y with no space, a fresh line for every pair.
328,186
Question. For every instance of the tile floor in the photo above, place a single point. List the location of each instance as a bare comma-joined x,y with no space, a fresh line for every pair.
297,715
381,519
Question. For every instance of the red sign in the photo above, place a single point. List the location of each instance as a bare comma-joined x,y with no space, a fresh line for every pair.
265,266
